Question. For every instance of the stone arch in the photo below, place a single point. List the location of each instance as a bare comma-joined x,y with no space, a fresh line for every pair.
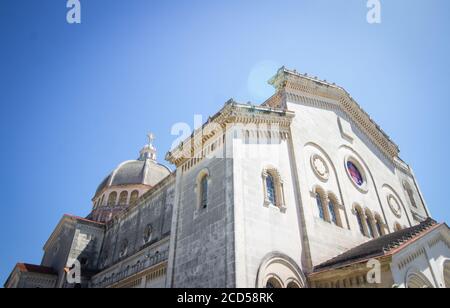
370,223
134,197
397,227
333,168
271,172
320,201
281,267
123,198
334,204
379,224
112,199
417,280
361,218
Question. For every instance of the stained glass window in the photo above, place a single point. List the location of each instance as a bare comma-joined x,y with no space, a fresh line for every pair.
355,173
332,212
270,185
320,206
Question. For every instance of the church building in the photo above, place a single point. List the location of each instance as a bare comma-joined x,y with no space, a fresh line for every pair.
303,191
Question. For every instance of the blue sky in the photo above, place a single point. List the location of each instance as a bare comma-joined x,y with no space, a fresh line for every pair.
76,100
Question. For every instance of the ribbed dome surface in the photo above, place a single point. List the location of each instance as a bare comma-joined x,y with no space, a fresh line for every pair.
135,172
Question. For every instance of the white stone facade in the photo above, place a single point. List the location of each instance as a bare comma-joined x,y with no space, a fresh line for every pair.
262,196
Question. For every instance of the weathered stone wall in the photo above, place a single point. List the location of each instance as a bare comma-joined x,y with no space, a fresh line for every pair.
146,229
202,248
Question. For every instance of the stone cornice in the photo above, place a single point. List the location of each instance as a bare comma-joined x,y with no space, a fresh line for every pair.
292,83
231,113
72,221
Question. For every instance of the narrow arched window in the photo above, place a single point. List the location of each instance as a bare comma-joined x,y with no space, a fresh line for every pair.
134,197
370,227
379,227
272,283
270,188
332,210
411,197
360,221
112,199
123,198
204,192
320,206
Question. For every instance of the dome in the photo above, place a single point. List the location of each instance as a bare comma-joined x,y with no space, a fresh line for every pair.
143,171
135,172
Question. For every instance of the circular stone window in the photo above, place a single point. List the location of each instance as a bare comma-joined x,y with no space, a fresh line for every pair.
394,206
320,167
356,175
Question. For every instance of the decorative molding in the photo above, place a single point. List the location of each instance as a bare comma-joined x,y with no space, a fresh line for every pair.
394,205
320,167
232,114
291,83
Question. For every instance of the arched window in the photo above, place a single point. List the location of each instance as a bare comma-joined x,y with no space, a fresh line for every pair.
123,198
293,285
397,227
418,281
273,189
332,212
270,189
112,199
123,248
134,197
320,206
273,283
410,193
379,225
370,230
359,218
148,233
204,192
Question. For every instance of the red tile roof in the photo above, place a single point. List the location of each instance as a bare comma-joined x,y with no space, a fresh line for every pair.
30,268
84,219
383,246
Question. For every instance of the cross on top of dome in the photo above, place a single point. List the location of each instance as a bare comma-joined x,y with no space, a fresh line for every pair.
151,138
149,151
